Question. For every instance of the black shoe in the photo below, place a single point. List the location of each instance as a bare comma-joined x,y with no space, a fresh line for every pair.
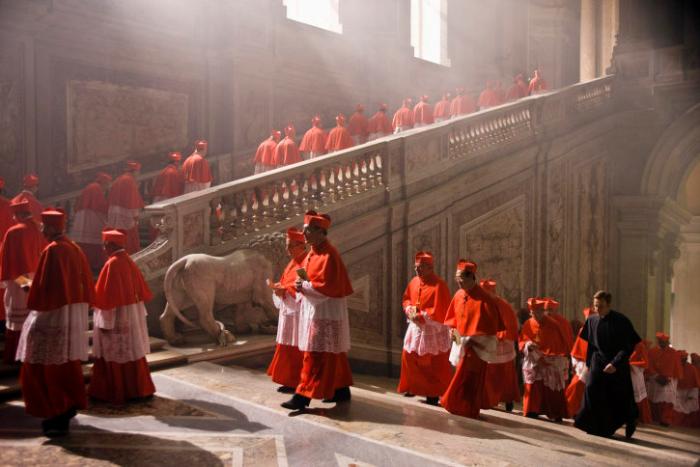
532,415
509,406
297,402
630,428
408,394
432,400
286,389
55,427
341,395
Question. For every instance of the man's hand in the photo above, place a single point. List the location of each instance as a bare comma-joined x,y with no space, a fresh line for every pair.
455,336
298,283
609,369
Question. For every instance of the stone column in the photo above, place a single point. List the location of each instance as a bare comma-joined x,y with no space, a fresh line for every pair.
588,53
641,266
685,308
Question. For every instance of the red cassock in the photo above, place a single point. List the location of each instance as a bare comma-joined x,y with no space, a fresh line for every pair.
324,371
639,362
51,349
576,388
286,364
287,152
358,127
685,411
546,380
403,118
473,313
265,155
169,183
517,91
19,256
423,114
89,220
665,363
34,205
196,169
501,384
314,141
462,105
125,203
425,364
339,138
488,98
6,221
379,125
120,339
441,111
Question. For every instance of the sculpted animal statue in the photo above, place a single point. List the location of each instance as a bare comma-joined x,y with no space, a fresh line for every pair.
203,280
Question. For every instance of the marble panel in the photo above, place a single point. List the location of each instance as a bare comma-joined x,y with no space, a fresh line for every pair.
366,305
193,230
108,122
555,237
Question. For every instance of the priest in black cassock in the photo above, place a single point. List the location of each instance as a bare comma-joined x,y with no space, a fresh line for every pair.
608,402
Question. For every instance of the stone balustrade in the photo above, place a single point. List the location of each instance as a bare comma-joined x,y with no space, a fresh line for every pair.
224,217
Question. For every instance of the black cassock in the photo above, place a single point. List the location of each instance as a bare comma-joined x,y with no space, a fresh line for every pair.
608,401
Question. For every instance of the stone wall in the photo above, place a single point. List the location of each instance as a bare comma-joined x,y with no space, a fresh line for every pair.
86,85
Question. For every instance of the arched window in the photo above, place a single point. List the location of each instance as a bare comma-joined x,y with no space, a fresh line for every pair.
429,30
319,13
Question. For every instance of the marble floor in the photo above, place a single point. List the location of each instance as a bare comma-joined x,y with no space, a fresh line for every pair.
207,414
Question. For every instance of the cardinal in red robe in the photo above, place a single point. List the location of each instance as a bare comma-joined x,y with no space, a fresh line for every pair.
6,221
195,169
545,364
90,219
19,259
54,337
120,340
501,383
577,386
686,405
265,154
695,361
379,124
639,362
551,309
323,286
423,113
339,137
313,144
537,84
357,126
286,364
30,187
125,204
287,151
403,118
475,321
170,182
488,97
425,364
518,90
441,111
462,104
662,377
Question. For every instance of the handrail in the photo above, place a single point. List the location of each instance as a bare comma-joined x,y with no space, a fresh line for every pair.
221,218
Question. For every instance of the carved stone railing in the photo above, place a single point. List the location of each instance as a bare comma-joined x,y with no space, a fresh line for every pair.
220,219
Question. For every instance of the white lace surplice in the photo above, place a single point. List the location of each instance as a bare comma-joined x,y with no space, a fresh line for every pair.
288,321
121,334
428,338
686,401
55,337
486,348
122,218
639,387
666,393
16,311
552,370
323,322
87,226
580,369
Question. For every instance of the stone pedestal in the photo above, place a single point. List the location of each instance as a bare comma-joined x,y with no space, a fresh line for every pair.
685,307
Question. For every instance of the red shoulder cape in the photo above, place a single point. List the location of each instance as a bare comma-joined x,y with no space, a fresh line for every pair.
195,169
125,193
358,124
314,140
326,271
20,250
62,278
547,335
287,152
474,313
379,123
34,205
431,296
265,154
7,219
169,183
93,198
339,138
120,283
